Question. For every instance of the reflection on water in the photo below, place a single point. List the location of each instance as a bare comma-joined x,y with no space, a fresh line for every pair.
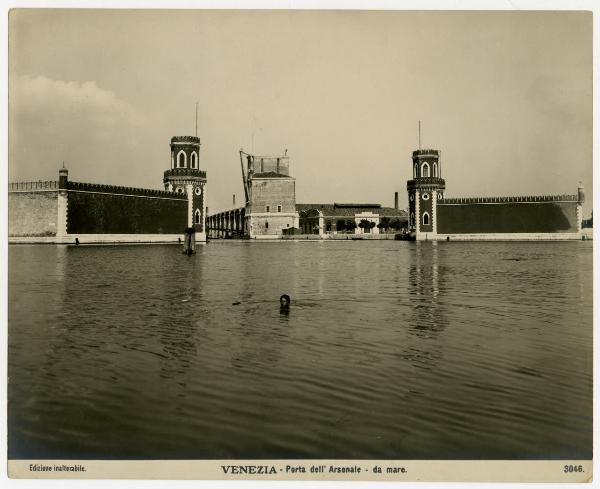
426,321
388,350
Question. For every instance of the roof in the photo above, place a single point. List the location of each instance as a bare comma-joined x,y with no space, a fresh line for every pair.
364,206
269,174
347,210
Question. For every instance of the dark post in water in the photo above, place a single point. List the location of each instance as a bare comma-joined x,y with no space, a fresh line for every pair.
189,241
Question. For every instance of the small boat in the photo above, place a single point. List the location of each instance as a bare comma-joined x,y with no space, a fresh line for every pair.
357,238
404,237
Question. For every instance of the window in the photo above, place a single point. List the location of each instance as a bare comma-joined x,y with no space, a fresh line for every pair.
435,172
181,159
425,196
194,163
268,208
425,219
278,208
267,225
416,171
197,219
425,169
412,218
197,190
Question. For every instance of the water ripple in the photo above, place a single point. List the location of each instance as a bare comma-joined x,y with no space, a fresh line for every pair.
410,350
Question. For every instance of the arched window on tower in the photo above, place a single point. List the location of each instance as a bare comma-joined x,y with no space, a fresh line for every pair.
194,164
181,159
416,170
197,216
412,218
425,169
425,219
435,170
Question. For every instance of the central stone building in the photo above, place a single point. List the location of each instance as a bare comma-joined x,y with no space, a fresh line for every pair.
270,196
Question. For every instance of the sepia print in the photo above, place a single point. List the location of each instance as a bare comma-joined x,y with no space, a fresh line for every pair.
326,245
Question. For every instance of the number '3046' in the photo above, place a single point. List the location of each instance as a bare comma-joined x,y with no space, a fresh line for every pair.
573,468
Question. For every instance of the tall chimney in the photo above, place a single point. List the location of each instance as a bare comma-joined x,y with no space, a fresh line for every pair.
396,200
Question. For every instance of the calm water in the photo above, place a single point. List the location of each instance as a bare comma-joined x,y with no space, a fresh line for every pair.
390,350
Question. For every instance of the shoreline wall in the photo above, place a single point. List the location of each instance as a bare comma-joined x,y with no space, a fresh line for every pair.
33,208
89,239
108,209
60,211
518,215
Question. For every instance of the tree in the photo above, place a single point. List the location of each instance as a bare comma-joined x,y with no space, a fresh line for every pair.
350,226
340,225
396,224
384,223
366,225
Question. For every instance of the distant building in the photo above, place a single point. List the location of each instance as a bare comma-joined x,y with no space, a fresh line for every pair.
355,218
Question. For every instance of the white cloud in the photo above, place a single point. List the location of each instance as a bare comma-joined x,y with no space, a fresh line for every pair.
80,123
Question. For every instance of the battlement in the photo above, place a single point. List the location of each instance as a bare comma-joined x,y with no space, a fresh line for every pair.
432,183
39,185
185,139
426,152
114,189
184,172
501,200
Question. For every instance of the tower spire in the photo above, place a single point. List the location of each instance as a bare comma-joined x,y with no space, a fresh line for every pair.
196,119
419,134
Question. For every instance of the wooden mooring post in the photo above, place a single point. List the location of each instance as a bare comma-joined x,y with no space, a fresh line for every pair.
189,241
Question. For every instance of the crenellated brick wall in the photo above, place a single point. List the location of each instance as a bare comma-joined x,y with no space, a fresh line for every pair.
106,209
494,200
464,216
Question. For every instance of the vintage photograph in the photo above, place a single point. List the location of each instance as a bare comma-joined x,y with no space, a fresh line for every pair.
306,240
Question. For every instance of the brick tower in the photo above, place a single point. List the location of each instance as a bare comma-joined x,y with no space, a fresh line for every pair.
426,187
270,195
186,177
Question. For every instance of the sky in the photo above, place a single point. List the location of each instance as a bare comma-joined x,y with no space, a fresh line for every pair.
505,96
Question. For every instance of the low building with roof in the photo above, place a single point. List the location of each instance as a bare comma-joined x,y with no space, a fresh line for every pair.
352,218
